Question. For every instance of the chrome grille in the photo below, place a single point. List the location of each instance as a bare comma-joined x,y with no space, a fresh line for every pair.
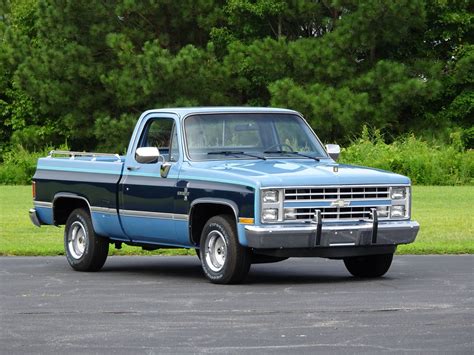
336,193
329,194
334,213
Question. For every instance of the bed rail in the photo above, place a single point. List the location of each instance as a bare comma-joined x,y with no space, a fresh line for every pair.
73,155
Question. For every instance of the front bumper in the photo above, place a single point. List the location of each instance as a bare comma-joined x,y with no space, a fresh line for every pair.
331,235
34,217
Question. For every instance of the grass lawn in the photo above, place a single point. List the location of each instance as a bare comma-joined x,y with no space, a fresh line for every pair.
444,212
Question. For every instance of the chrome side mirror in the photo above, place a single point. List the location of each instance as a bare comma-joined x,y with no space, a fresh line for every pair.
147,155
334,150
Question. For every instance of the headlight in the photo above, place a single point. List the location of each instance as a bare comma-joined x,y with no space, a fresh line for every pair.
271,205
270,196
398,193
398,211
269,214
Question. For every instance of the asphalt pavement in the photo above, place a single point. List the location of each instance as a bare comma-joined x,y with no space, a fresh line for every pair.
302,305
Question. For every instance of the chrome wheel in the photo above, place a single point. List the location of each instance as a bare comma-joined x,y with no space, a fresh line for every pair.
215,251
77,240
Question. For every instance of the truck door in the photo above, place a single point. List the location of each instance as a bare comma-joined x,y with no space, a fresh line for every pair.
146,199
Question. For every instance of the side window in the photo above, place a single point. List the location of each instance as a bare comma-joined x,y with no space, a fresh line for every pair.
160,133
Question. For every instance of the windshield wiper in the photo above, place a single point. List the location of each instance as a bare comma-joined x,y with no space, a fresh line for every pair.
290,152
232,152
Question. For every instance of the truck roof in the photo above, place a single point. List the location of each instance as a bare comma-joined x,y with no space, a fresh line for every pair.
184,111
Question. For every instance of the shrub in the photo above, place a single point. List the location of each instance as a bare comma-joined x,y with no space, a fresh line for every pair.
425,162
19,165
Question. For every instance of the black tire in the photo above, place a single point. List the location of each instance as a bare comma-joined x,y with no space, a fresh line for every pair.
369,266
85,250
266,259
231,264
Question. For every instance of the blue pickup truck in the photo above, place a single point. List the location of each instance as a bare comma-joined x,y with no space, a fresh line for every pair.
239,185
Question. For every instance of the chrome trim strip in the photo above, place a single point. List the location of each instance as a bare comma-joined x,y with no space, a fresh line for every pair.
43,204
180,217
103,210
148,214
342,244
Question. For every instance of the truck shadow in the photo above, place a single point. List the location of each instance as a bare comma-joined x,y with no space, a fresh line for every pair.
187,269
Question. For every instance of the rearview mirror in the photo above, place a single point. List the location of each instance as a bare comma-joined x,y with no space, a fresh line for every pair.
334,150
147,155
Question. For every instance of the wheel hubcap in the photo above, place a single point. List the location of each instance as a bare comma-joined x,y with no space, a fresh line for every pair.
77,240
215,251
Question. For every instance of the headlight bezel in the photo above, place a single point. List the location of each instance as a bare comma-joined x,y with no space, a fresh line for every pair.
268,203
402,199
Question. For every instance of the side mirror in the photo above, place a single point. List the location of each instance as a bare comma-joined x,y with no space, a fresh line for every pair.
147,155
333,150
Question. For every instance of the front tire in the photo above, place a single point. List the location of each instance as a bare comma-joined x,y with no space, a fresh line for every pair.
223,259
369,266
85,251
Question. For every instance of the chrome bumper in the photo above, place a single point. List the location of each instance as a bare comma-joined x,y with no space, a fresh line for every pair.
331,235
34,217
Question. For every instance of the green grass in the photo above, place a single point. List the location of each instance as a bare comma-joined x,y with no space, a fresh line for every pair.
446,220
444,212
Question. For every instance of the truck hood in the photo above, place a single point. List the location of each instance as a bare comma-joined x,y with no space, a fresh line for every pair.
290,172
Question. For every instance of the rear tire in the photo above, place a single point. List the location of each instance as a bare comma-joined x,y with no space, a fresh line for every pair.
369,266
85,251
223,259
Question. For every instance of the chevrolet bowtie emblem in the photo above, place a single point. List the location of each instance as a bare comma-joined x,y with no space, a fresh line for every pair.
340,203
184,193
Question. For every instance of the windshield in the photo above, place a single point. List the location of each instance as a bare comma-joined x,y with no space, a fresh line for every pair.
250,136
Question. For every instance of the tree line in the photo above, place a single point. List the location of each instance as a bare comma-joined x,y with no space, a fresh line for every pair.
81,72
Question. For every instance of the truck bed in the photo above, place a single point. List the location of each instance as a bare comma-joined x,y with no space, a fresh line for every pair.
92,176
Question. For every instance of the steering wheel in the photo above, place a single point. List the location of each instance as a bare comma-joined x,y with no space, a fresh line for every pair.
281,145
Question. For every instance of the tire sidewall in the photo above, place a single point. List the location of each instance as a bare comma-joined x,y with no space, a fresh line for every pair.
85,260
222,274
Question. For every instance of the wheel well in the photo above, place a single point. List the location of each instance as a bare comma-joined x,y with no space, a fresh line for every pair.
201,213
63,206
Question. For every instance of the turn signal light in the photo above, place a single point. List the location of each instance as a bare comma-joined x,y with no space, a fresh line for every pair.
33,189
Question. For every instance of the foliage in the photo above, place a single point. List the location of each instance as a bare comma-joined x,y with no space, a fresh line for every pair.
426,163
19,165
82,71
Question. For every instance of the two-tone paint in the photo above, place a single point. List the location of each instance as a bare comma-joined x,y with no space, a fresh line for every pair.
132,202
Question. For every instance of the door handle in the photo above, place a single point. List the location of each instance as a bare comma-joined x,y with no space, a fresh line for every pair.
133,167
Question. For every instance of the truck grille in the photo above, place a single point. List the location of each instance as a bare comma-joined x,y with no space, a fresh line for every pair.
330,194
334,213
336,193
